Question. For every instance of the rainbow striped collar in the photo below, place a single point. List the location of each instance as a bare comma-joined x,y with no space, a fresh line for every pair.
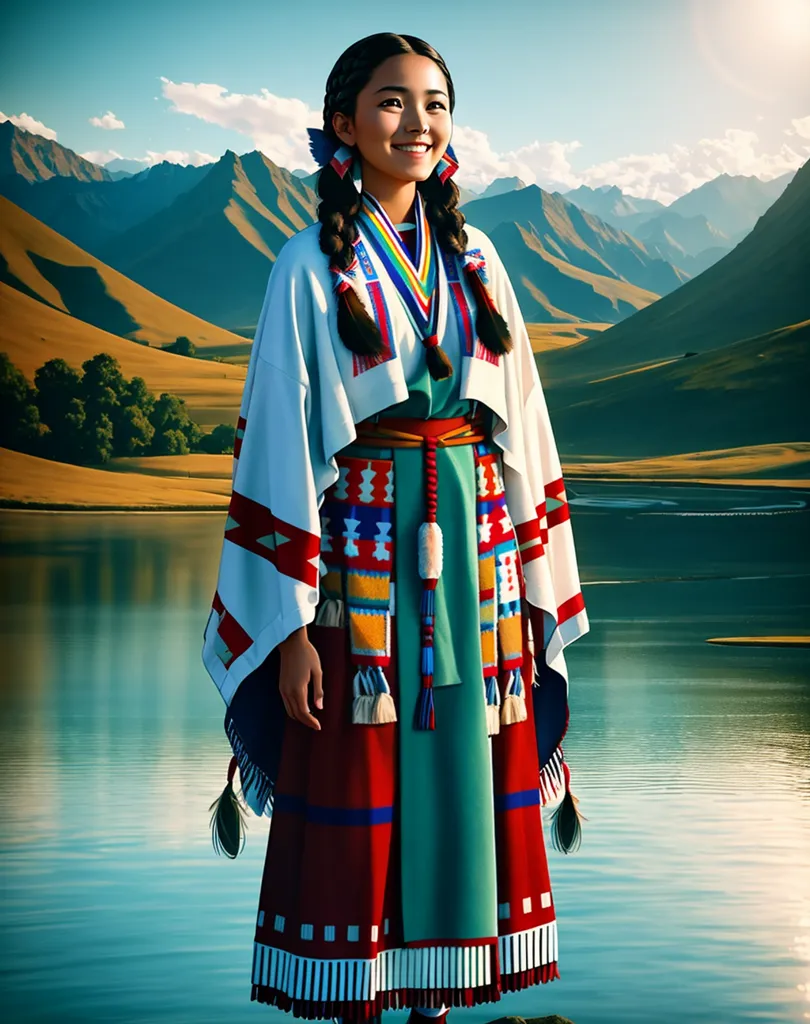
415,279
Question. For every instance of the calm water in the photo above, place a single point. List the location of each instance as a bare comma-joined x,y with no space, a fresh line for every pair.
688,900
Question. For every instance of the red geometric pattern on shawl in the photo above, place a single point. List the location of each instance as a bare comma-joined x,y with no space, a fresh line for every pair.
254,527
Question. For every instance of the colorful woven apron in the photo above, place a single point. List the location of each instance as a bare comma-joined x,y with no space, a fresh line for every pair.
357,552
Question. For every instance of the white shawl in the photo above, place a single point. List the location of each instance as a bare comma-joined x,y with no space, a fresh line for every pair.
301,401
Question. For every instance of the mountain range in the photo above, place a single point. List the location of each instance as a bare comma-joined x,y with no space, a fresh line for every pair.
204,238
722,362
698,363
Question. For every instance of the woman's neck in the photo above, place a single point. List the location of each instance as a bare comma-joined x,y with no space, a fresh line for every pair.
395,197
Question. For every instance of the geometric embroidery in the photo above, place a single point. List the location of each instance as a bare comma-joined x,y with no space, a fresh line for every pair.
231,639
545,899
527,904
306,931
471,344
254,527
353,933
357,547
360,363
503,910
499,580
279,923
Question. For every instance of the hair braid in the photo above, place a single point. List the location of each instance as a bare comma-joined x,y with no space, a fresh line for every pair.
441,207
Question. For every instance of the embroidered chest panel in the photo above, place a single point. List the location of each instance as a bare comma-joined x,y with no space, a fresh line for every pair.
463,310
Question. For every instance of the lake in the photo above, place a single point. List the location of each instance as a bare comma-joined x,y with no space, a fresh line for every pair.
689,898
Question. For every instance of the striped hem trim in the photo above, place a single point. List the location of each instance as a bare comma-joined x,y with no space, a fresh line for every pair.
403,999
439,969
523,951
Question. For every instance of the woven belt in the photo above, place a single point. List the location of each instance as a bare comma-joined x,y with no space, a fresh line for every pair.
411,432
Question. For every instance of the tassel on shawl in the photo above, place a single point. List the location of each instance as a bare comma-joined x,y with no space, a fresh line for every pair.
493,705
430,569
331,612
373,703
514,701
228,819
566,821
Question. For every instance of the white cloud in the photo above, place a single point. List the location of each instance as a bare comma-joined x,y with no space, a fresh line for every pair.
663,175
799,126
102,156
275,124
29,124
109,121
174,156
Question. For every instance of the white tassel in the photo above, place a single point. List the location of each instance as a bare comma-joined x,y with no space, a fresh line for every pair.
376,705
430,551
384,709
513,709
493,710
331,612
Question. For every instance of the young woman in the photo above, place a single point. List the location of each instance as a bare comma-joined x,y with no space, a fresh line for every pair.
398,539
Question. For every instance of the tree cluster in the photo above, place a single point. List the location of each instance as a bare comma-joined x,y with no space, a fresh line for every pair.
91,416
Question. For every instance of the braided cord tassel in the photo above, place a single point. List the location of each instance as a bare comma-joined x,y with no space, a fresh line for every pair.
430,569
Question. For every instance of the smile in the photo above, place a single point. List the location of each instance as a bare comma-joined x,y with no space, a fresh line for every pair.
412,147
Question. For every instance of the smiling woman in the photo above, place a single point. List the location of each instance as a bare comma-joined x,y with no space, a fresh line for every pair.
398,550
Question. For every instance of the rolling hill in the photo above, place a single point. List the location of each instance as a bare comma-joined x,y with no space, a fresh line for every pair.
748,393
41,263
32,332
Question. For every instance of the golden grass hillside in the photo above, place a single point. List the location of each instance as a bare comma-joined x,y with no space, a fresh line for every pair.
46,265
31,333
27,481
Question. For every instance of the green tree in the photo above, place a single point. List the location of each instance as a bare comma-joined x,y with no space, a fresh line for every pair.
134,433
19,416
98,439
170,414
61,409
182,346
173,442
103,384
219,441
137,393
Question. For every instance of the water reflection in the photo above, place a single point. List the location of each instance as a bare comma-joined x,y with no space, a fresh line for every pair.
690,892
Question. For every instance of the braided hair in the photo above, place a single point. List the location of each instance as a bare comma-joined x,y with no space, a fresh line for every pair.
341,203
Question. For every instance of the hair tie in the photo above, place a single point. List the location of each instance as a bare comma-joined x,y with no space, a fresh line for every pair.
328,149
447,165
344,278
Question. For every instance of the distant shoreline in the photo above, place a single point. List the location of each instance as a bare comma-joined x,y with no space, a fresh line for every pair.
11,505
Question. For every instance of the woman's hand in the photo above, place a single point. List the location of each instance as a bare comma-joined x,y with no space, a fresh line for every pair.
299,662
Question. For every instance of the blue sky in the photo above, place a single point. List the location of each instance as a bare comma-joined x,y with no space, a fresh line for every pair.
654,95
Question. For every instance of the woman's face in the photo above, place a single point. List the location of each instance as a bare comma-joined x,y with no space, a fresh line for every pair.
402,122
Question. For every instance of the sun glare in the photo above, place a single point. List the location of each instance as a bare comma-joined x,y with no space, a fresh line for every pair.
758,47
